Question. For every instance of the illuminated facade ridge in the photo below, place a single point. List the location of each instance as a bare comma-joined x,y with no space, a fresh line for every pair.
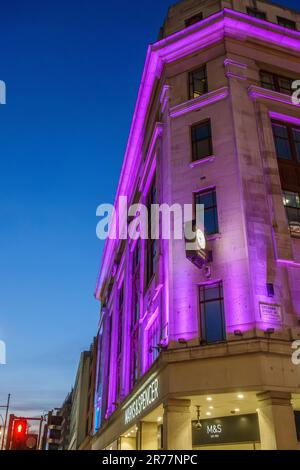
214,123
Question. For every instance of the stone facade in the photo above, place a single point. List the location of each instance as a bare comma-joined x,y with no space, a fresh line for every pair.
255,256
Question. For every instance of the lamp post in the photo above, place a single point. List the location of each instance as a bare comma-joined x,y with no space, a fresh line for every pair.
5,421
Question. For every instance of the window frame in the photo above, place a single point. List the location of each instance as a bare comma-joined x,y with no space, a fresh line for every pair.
192,143
276,77
256,10
120,338
190,81
202,314
214,206
286,21
286,207
290,127
155,331
134,320
193,19
151,244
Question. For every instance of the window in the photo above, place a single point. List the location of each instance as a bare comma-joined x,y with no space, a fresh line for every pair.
151,242
286,23
120,342
136,284
275,82
212,313
135,313
287,141
209,199
194,19
201,141
153,340
256,13
197,82
291,201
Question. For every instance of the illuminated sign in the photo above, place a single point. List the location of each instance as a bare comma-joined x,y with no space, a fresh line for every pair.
227,430
143,400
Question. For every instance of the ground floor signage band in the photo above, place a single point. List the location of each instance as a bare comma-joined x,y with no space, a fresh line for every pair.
143,400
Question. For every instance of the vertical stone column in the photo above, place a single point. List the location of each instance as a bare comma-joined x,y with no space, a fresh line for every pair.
177,425
149,438
276,421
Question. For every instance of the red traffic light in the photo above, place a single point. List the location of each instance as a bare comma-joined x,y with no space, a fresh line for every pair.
20,428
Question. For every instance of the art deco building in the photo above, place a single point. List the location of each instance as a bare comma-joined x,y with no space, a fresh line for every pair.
201,357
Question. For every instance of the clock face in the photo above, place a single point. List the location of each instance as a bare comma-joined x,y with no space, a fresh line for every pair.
201,239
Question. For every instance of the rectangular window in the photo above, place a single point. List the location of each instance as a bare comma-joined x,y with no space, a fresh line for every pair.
194,19
287,141
197,82
136,284
153,341
296,139
275,82
135,314
209,200
212,313
256,13
286,23
201,141
120,343
282,143
291,201
151,243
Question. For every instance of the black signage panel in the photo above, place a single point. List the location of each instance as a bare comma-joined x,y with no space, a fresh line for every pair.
226,430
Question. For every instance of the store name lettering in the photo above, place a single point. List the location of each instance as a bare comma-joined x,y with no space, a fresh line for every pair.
142,402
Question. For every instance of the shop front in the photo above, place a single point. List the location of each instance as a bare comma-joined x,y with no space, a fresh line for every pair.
177,408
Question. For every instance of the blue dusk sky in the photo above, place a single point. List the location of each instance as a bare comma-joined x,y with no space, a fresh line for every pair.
72,71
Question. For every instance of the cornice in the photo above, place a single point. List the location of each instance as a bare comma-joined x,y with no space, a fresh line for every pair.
200,102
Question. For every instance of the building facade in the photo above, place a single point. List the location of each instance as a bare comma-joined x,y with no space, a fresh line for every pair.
82,398
194,355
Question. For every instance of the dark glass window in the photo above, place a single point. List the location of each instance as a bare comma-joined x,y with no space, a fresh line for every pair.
209,199
197,82
194,19
296,138
287,141
120,341
134,331
291,201
282,143
275,82
256,13
201,141
136,283
286,23
153,340
212,313
151,243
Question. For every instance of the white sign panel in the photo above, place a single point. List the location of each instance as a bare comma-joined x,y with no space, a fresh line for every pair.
270,313
143,400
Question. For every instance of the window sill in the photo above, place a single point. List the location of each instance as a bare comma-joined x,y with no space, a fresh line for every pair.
210,158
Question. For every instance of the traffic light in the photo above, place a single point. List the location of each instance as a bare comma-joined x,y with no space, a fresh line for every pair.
19,434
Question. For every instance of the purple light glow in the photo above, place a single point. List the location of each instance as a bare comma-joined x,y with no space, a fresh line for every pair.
207,32
256,92
293,264
200,102
285,118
